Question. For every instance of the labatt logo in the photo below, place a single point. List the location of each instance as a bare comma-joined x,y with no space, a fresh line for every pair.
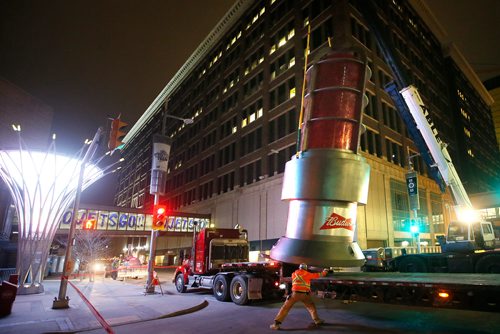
337,221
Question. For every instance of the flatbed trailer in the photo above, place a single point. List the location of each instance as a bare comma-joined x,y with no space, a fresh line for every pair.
477,292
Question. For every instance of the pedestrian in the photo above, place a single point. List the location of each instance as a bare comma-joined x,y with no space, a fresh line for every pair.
301,288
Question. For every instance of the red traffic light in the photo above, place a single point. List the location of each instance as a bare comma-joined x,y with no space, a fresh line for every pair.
89,224
159,217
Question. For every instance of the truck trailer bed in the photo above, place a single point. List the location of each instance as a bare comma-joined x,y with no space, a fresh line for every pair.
479,292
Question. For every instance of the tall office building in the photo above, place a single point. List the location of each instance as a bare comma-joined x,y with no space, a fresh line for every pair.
242,86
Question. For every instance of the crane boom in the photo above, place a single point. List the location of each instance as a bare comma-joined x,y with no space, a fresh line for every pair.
436,147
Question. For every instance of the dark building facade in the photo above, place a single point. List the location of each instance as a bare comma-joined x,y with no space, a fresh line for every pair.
18,107
242,87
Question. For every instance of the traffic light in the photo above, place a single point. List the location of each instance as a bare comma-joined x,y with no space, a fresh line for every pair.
90,224
159,217
414,227
116,134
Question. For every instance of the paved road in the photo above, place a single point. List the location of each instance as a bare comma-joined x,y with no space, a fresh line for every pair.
124,306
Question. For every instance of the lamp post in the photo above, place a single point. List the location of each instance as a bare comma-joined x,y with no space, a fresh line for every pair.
62,301
159,168
412,185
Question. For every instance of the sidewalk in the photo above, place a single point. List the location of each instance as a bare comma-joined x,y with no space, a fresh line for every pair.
118,302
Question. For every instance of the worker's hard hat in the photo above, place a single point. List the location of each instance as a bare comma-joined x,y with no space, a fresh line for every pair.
303,266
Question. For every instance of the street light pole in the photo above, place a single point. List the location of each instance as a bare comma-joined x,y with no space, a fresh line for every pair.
62,301
159,169
412,184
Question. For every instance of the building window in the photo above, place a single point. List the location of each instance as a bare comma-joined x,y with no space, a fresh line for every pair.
251,142
282,93
282,64
227,154
400,206
208,140
391,117
231,80
225,183
252,85
423,213
361,33
371,108
315,8
229,127
282,125
276,161
207,165
251,173
320,35
437,214
370,142
252,113
229,103
253,61
394,152
280,39
258,12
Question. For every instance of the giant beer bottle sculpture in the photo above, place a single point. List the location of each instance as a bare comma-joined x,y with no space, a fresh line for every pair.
327,180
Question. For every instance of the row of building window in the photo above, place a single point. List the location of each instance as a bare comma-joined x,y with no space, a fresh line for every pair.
247,174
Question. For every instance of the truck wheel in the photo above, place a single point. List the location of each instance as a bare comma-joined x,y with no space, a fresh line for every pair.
239,290
179,284
412,264
221,288
488,264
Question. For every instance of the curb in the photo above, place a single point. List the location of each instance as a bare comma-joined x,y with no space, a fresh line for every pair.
168,315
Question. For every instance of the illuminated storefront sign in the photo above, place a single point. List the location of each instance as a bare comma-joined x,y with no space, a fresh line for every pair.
126,221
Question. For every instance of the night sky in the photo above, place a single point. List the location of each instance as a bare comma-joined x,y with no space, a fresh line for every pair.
94,59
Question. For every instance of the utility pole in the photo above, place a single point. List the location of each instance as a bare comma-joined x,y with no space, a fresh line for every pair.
62,301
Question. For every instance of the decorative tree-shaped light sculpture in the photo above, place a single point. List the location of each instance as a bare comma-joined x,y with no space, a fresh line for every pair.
42,185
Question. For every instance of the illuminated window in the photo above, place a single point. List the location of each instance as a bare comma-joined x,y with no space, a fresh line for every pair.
465,114
469,152
467,132
282,37
461,95
251,113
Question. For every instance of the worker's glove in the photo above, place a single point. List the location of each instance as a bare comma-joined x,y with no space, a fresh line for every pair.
328,270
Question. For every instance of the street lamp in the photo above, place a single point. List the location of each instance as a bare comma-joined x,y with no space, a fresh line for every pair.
159,169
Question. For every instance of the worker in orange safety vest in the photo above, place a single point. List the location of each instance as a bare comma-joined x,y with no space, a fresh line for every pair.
301,288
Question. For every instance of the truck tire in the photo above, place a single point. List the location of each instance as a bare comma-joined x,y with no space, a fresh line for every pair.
412,264
489,264
239,290
179,284
221,288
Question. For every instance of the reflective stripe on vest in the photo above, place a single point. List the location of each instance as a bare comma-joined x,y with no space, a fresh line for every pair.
300,284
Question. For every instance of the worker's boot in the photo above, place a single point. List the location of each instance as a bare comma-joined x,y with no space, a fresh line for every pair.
318,322
276,325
